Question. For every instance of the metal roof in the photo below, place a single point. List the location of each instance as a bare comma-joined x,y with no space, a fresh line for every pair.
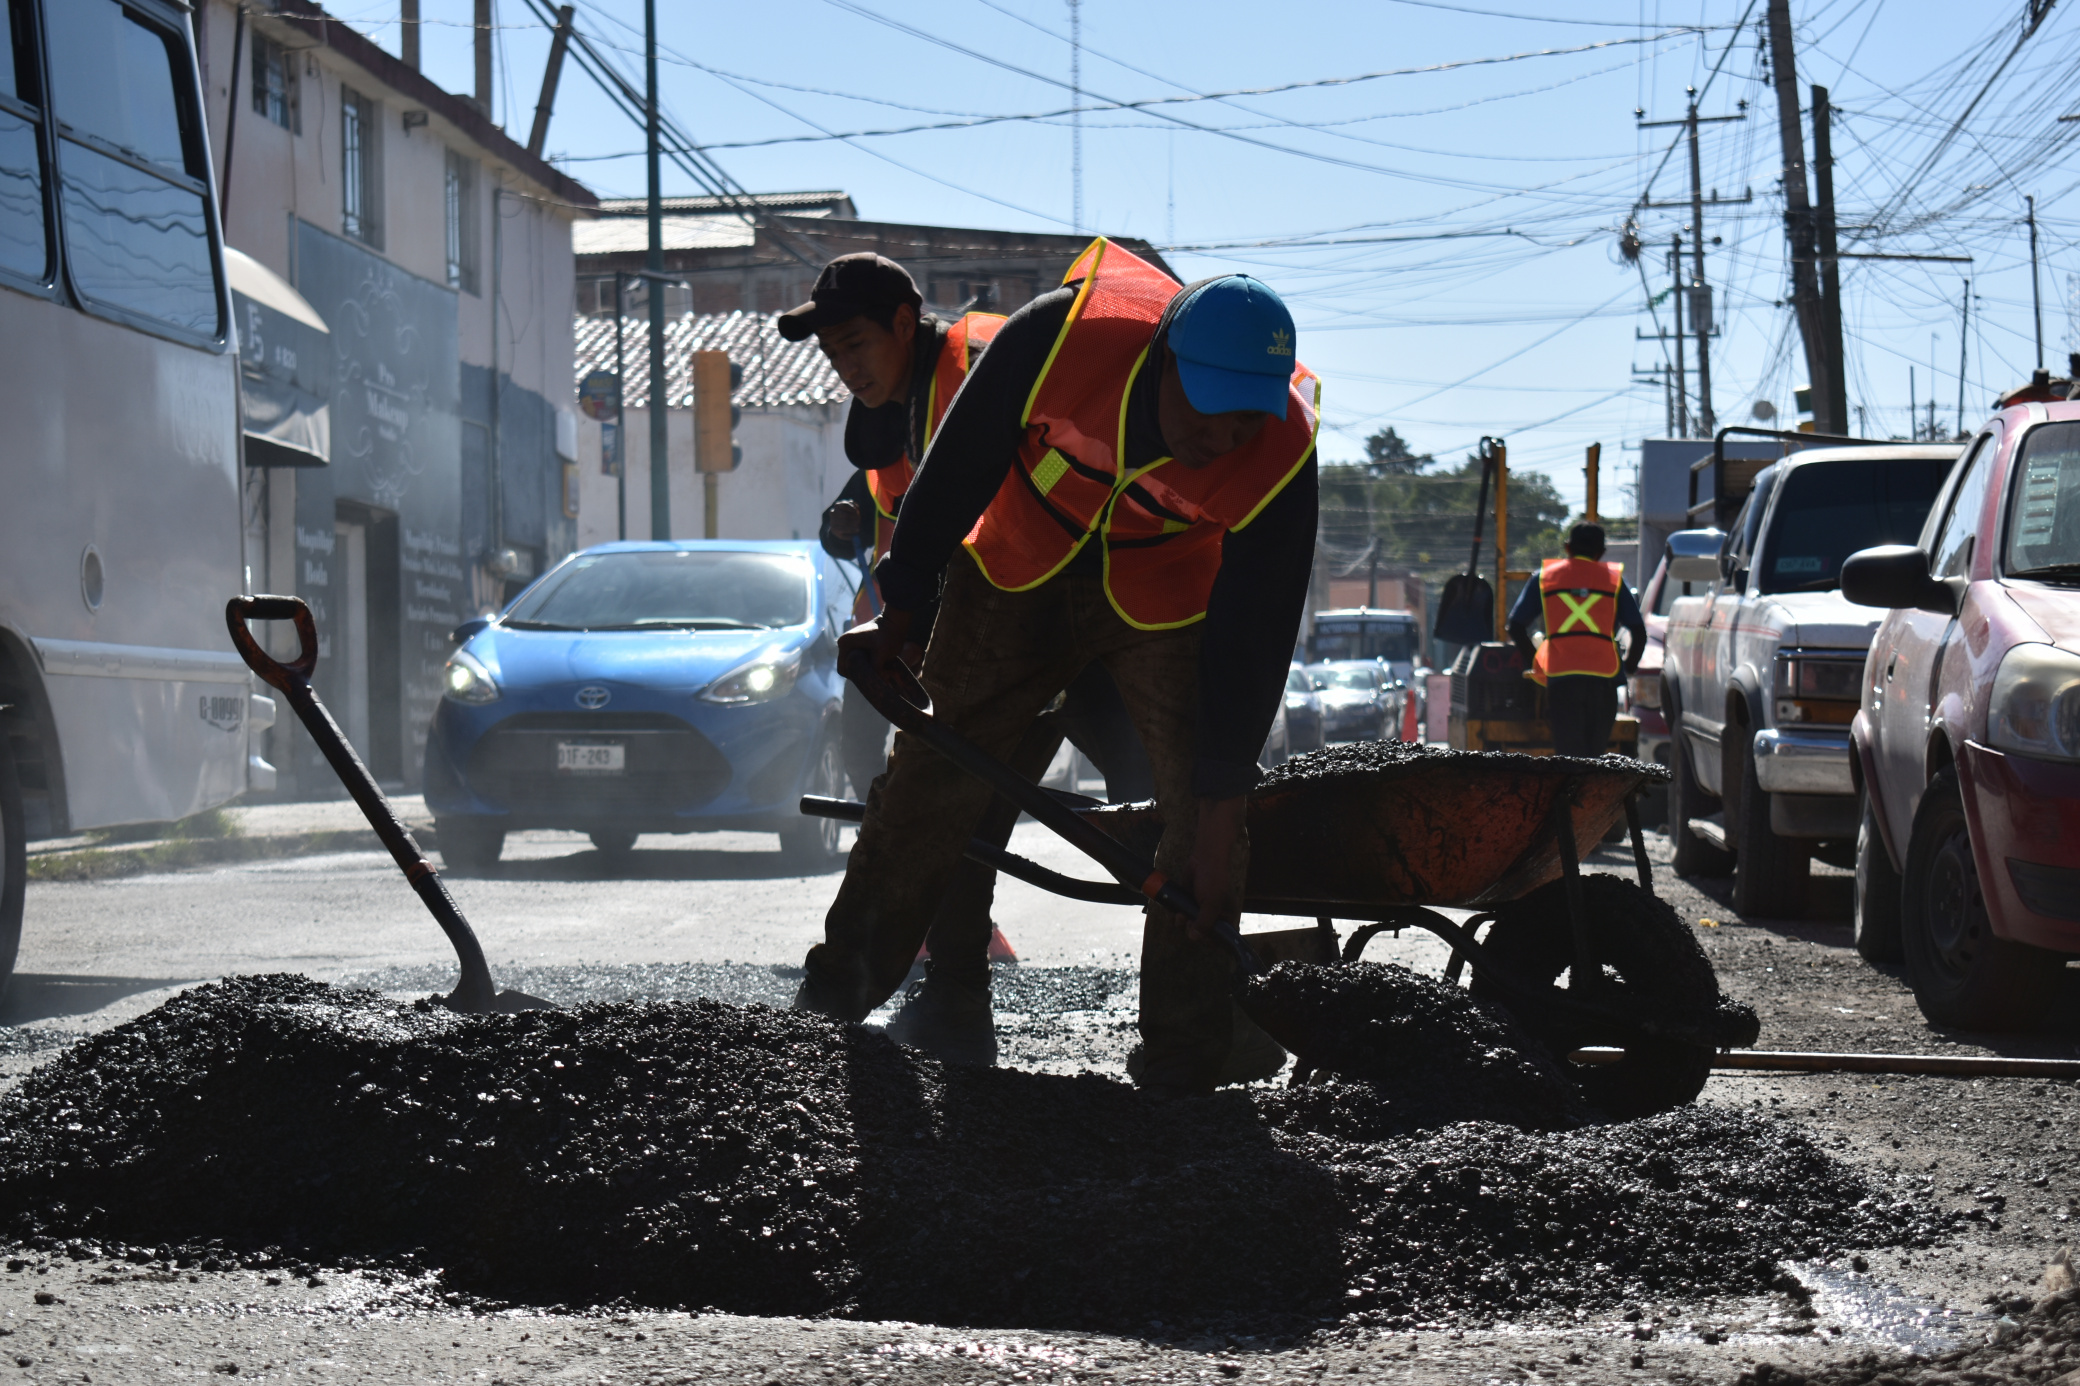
777,372
794,203
629,235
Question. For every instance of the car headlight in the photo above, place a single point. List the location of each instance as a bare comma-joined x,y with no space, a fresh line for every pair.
2036,703
466,680
765,677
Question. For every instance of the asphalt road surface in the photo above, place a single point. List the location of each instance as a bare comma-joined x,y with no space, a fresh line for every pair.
717,916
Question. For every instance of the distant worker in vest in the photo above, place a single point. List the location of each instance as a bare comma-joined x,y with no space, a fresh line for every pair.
904,368
1583,603
1130,472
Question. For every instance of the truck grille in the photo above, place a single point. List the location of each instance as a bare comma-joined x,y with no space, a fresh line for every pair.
669,764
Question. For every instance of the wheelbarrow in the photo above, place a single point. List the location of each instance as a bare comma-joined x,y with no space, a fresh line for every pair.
1579,961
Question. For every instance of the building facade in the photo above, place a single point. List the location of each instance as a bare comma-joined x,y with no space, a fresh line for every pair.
765,261
437,254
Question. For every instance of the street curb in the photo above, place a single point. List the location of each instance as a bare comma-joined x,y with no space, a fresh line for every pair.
176,854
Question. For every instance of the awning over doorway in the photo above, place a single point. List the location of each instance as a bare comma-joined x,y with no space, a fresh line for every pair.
285,368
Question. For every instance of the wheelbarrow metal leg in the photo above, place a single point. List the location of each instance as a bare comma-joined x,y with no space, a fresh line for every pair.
1585,962
1640,863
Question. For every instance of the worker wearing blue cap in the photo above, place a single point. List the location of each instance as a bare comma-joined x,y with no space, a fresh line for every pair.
1129,471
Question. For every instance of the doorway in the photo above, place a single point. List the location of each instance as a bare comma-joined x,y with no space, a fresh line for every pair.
366,592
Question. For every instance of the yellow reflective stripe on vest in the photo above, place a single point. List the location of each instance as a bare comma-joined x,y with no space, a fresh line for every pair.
1052,468
1578,612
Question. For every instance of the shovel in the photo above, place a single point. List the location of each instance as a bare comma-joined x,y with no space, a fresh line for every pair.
1466,609
474,991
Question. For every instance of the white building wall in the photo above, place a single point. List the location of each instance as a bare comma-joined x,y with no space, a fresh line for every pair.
794,465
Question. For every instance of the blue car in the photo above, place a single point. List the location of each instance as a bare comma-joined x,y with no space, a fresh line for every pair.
647,688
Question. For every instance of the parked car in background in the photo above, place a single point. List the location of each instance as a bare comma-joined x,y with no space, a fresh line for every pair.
647,688
1303,713
1359,702
1967,737
1644,690
1762,672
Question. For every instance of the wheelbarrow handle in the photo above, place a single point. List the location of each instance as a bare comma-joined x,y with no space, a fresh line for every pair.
239,610
910,710
474,990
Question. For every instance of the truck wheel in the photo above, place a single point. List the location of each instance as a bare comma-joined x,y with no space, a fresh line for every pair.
1770,873
1877,893
1962,974
469,846
1687,800
14,865
1653,966
811,845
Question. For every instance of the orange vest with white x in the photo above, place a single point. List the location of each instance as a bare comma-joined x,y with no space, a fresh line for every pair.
1580,597
1160,525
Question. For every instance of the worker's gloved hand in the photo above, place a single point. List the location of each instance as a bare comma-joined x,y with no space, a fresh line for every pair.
842,519
1206,878
887,638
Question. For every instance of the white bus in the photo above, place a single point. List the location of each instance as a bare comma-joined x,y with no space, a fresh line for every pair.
120,527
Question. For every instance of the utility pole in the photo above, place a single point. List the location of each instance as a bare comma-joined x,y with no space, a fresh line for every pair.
1830,315
2036,301
660,403
1675,278
483,56
1964,326
1821,368
407,34
1701,292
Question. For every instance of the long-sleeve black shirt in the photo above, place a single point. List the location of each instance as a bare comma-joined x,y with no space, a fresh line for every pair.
1253,616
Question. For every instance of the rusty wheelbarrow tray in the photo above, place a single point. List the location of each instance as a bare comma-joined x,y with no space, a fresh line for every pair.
1388,843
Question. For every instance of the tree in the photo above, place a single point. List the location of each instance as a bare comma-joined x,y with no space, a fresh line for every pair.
1386,454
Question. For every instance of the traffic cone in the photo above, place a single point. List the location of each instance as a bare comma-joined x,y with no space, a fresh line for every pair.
1411,727
1000,949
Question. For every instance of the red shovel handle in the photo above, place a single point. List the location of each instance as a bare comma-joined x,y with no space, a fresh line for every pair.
240,610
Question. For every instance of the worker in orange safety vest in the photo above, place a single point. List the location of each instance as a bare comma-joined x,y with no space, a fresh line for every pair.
904,369
1583,603
1127,478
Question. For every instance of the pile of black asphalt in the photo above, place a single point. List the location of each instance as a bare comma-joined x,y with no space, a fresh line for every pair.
698,1154
1373,758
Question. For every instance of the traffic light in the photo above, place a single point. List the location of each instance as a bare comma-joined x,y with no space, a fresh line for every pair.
715,379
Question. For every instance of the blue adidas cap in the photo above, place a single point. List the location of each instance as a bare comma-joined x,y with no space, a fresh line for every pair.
1234,344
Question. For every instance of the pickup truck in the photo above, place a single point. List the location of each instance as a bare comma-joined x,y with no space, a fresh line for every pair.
1763,672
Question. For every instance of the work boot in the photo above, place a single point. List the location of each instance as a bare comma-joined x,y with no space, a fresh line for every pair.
1252,1056
833,984
948,1017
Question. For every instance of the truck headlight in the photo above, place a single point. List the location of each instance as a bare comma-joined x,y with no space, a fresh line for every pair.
765,677
1824,689
2036,703
466,680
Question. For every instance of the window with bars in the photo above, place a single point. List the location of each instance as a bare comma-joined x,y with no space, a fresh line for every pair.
464,235
361,167
274,84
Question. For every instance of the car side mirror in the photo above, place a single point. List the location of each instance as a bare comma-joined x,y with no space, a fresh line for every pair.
468,630
1896,576
1703,568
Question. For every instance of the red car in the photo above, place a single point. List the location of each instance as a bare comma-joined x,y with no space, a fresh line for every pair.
1967,739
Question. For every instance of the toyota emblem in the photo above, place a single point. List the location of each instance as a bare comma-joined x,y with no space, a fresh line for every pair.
592,697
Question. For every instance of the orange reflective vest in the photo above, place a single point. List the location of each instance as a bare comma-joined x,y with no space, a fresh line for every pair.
965,340
1161,524
1580,597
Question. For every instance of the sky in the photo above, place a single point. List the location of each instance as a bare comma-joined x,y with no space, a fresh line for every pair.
1437,189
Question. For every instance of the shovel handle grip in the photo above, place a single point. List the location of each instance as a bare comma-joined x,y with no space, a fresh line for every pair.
239,610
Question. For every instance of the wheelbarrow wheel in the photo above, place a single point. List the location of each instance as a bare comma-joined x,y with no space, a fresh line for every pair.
1653,967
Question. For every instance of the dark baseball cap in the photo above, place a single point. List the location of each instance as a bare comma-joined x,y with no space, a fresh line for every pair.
849,286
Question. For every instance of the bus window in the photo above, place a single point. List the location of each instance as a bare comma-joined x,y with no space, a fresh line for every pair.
24,241
136,209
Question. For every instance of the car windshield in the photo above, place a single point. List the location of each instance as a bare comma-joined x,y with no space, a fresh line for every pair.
1363,679
1376,639
2044,512
1298,682
1828,510
1672,591
693,589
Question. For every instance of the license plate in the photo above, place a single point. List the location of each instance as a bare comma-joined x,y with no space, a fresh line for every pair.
591,758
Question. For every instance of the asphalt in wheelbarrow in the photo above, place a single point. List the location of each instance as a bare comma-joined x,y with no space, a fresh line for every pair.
699,1154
